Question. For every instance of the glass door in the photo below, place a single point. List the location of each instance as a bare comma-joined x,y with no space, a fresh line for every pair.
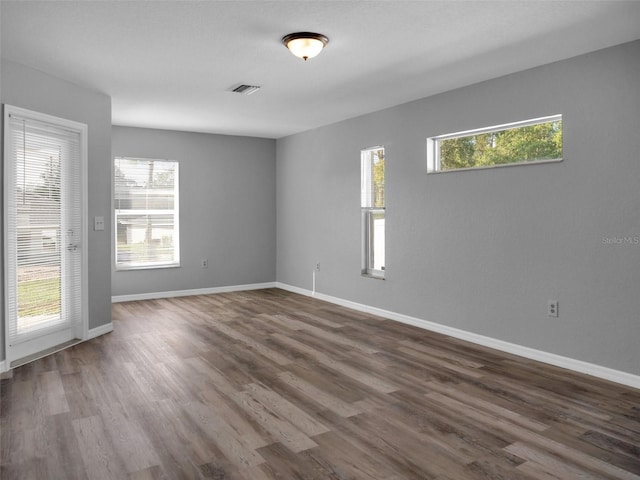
44,232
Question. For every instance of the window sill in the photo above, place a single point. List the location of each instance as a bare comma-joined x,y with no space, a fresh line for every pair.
146,267
491,167
370,275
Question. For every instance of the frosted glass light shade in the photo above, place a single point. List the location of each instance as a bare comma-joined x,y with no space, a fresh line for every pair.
305,44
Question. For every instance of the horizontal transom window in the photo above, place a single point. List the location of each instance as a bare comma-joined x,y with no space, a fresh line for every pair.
529,141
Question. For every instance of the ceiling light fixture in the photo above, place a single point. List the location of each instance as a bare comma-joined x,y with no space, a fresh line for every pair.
305,44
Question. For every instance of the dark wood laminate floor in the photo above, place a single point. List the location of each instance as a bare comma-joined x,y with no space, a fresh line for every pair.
272,385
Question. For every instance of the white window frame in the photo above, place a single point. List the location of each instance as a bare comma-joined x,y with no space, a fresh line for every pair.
433,145
367,214
122,266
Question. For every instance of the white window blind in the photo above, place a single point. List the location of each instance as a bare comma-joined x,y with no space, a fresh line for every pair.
146,204
43,227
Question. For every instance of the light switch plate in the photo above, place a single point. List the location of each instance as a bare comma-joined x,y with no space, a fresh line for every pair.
98,223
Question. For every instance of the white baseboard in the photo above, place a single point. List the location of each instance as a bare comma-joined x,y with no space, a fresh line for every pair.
187,293
101,330
599,371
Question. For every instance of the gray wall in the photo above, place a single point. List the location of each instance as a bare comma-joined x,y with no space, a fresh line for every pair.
227,209
34,90
485,250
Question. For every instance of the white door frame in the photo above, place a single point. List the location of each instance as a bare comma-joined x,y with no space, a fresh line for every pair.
81,330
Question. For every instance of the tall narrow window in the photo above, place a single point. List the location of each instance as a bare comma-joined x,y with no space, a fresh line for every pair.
373,211
146,213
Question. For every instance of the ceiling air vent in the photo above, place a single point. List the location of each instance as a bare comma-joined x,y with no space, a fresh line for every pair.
246,89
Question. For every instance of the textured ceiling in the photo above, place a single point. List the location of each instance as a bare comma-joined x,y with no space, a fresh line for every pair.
171,64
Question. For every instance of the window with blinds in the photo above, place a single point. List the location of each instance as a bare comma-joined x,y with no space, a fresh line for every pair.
43,228
146,203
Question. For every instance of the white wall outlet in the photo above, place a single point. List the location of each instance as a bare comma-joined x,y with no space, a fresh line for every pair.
317,266
552,308
204,263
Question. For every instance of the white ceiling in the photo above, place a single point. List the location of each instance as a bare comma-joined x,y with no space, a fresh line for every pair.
171,64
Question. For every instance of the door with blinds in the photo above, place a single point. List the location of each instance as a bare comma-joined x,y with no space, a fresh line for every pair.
45,236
